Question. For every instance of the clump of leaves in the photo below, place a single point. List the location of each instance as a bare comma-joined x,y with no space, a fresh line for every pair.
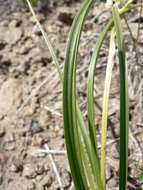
87,166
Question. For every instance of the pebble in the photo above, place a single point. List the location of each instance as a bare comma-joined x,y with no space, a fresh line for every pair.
108,172
39,178
57,128
35,128
47,166
46,181
17,165
40,169
114,150
29,171
61,133
31,186
39,140
14,168
22,67
66,178
112,183
24,50
36,30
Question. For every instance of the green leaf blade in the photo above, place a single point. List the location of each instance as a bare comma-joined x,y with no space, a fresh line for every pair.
124,112
69,97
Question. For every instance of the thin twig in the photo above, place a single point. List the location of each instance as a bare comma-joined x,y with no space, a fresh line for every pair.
52,111
54,167
53,152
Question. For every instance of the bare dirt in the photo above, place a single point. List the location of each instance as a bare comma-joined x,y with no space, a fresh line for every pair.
31,95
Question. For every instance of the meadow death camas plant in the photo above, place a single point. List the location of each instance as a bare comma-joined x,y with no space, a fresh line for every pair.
86,164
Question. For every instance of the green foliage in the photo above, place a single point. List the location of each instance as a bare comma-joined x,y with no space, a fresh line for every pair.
33,2
87,170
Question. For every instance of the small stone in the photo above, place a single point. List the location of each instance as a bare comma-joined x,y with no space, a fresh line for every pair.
16,22
40,169
57,128
109,172
29,171
47,167
22,68
30,110
114,150
116,128
38,139
2,131
35,128
31,186
112,183
46,181
66,178
39,178
61,133
36,30
24,50
14,168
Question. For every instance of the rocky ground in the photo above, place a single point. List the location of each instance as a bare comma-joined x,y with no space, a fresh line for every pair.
31,95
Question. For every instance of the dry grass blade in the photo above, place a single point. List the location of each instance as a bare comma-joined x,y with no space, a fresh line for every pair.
45,36
54,167
108,77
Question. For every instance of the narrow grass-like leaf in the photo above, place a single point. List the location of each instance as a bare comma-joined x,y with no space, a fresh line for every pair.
124,112
45,36
88,169
91,73
108,77
91,154
69,96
